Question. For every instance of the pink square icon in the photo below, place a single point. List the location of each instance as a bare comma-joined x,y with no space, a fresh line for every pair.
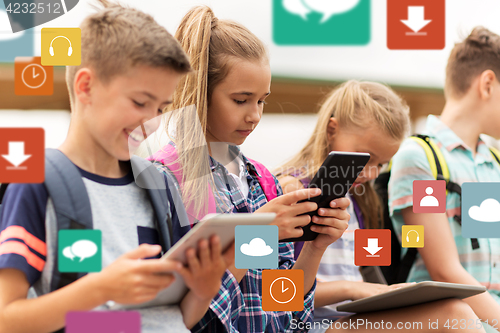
429,196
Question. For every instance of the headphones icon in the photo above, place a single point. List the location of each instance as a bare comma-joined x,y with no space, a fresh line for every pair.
408,238
70,49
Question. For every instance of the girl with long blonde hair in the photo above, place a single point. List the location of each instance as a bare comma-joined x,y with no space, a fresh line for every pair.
358,117
228,88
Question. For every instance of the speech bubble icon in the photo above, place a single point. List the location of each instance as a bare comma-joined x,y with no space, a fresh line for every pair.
67,253
330,7
84,249
296,7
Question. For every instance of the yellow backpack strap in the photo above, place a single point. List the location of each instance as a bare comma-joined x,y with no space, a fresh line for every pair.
428,152
442,162
496,154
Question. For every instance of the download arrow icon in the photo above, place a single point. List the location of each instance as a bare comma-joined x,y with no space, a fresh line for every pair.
416,19
16,155
372,247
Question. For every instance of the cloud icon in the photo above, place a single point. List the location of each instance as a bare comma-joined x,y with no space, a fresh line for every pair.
5,29
82,249
256,248
489,211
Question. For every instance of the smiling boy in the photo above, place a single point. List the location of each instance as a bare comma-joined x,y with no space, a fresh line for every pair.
130,68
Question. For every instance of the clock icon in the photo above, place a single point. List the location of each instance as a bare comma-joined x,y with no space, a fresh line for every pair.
282,290
34,76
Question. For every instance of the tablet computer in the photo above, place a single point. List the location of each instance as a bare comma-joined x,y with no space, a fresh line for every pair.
335,177
212,224
418,293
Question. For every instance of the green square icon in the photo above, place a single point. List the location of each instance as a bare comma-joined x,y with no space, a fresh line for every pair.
80,251
321,22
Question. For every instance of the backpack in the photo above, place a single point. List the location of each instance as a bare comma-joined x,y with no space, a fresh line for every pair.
399,269
72,205
168,156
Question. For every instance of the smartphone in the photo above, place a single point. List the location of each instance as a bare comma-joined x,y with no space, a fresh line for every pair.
335,177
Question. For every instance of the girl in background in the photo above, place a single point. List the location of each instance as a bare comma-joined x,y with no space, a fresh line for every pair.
359,117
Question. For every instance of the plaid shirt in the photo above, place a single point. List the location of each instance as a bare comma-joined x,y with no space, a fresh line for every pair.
238,307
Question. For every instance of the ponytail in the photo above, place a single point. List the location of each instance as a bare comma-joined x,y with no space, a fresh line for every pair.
212,46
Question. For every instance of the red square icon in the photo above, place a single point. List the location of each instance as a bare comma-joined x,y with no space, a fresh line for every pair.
416,24
429,196
22,155
372,247
31,78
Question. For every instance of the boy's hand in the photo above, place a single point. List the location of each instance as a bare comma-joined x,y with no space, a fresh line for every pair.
130,280
289,216
332,223
204,270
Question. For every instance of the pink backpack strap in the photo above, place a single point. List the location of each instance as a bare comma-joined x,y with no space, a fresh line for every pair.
266,180
168,156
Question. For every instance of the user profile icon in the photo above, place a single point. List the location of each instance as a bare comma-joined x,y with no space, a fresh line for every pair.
429,196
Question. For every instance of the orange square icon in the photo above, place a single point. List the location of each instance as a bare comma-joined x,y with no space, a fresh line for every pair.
22,155
416,24
283,290
33,79
372,247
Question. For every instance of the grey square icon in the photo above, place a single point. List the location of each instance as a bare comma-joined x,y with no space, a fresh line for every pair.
256,246
481,210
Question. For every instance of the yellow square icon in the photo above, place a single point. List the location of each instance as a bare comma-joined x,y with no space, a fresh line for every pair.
61,46
413,236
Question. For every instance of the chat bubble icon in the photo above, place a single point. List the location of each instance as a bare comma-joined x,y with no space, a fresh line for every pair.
330,7
296,7
83,249
67,253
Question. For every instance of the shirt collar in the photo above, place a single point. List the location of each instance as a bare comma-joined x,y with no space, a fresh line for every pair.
236,151
450,141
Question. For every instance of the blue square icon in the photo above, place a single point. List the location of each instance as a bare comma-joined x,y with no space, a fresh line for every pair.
20,44
256,246
481,210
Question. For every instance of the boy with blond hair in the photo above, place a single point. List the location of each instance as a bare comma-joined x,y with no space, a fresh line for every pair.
130,68
472,108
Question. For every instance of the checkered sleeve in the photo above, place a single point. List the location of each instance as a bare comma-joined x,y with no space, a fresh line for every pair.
306,315
225,307
286,262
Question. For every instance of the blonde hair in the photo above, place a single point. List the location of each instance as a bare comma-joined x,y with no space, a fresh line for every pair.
213,46
357,105
117,38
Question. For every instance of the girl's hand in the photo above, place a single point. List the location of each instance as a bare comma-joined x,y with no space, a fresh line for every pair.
289,212
204,271
364,289
130,280
332,223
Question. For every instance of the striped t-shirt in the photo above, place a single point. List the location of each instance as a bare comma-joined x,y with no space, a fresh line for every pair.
411,163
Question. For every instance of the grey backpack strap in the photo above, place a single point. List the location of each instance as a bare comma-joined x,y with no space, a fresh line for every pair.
71,203
148,177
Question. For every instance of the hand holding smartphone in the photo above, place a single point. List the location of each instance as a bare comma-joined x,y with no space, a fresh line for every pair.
335,177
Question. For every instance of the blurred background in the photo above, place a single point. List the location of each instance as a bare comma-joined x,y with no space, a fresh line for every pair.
302,74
